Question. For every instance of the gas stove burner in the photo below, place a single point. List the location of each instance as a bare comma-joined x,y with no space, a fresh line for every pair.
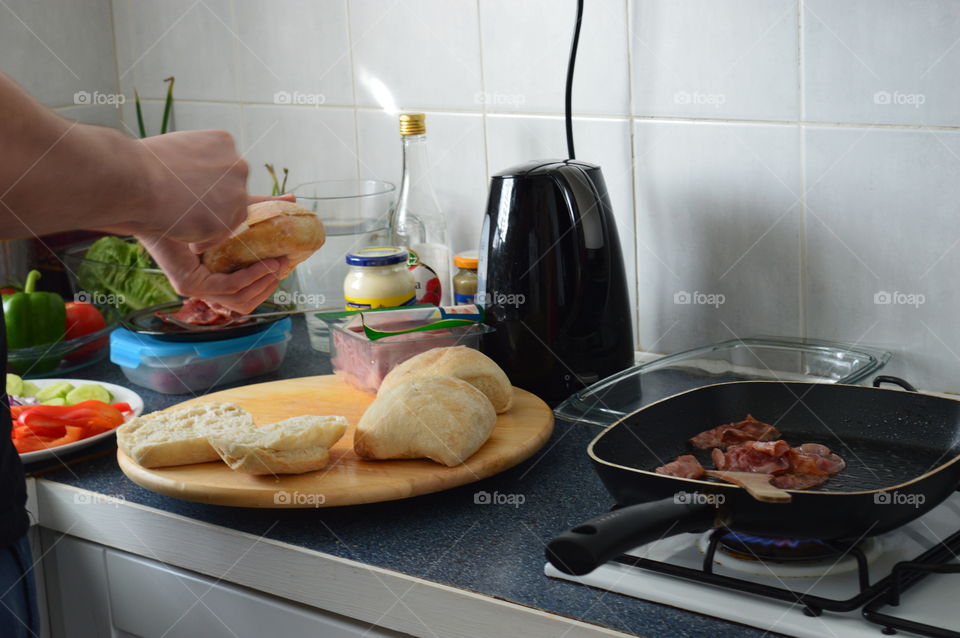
784,557
750,547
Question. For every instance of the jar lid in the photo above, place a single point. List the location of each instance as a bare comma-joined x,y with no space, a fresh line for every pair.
467,259
378,256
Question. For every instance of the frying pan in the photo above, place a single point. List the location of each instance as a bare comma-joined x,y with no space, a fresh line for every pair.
902,451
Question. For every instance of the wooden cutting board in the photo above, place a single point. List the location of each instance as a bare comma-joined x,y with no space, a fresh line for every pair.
348,479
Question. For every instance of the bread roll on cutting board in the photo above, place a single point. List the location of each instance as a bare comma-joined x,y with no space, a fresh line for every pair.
179,436
273,229
444,419
461,362
292,446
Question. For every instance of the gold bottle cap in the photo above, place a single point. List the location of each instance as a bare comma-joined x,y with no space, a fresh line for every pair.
413,124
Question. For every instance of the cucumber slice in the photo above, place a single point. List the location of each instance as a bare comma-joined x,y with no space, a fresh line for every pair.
29,389
54,401
59,389
14,385
87,392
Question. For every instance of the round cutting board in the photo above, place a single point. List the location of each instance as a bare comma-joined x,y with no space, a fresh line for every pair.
347,479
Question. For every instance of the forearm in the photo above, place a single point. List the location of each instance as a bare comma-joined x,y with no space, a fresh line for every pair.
57,175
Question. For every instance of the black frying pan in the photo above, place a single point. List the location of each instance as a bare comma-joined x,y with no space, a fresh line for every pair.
902,451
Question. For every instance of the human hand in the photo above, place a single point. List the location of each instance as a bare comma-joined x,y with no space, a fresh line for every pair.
241,291
197,188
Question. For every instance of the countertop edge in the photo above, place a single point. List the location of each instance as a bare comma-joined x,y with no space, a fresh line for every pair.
350,588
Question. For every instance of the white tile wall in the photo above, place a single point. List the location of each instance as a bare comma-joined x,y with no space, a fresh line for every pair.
426,53
796,157
57,49
192,41
718,232
287,50
892,61
883,245
526,46
313,143
715,58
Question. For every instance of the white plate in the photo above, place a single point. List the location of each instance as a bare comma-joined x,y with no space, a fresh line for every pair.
120,395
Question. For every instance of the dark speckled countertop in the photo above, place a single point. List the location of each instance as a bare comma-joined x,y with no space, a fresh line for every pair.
495,550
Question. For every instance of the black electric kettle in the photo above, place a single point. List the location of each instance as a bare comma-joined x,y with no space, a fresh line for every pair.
551,278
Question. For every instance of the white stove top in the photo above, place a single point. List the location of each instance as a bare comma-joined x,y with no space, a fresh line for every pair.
933,601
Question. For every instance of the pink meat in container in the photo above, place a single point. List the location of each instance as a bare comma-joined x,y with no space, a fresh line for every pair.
362,354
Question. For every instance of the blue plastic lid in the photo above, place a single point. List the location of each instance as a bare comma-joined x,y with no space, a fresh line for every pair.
381,256
127,348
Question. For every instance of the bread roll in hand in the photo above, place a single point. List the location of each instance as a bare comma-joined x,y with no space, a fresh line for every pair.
273,229
440,418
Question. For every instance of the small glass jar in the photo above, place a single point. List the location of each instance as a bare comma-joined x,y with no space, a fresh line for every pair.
465,281
378,278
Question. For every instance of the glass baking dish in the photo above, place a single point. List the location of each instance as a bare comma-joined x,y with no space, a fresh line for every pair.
777,358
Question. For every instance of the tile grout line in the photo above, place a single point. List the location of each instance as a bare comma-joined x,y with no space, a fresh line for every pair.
483,87
633,176
802,279
353,85
578,116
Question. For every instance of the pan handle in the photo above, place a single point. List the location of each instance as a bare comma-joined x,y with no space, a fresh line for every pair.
885,378
587,546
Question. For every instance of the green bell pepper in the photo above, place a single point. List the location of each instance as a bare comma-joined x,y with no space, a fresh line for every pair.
34,319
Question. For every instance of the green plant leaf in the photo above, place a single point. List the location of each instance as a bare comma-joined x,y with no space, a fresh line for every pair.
140,124
168,105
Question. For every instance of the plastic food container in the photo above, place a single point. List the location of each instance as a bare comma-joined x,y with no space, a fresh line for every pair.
175,367
776,358
363,363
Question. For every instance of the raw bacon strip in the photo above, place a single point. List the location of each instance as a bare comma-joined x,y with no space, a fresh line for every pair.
764,457
813,458
201,313
686,466
750,429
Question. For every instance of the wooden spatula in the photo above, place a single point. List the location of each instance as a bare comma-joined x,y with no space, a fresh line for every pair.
757,485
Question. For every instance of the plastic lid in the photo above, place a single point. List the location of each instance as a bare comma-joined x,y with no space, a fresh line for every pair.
467,259
380,256
127,348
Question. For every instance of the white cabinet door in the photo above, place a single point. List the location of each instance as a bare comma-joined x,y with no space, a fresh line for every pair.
151,599
98,592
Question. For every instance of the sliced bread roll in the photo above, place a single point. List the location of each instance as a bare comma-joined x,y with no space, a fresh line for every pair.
444,419
292,446
179,436
461,362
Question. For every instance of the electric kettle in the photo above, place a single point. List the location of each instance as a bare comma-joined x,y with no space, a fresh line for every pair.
552,280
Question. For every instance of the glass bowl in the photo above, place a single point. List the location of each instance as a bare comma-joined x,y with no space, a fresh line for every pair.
123,287
55,359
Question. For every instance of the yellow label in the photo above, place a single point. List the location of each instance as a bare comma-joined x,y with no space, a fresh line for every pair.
359,303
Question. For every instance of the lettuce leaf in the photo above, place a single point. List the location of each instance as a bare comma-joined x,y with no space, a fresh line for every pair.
114,269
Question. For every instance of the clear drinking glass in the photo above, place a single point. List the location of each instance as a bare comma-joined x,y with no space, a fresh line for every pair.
355,213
